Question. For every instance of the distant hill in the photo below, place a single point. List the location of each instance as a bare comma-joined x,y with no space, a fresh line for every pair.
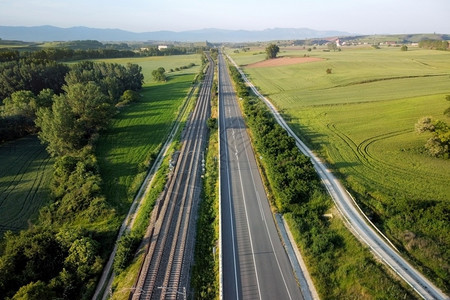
51,33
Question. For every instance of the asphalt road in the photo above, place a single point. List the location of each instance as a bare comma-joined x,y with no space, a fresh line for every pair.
360,225
254,262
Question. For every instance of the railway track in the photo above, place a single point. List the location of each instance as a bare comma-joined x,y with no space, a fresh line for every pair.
165,271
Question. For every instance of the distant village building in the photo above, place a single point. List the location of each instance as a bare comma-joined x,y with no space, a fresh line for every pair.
160,47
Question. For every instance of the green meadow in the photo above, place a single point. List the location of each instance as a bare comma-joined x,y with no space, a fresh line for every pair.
25,174
360,119
136,134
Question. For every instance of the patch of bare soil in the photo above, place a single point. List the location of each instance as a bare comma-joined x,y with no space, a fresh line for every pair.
283,61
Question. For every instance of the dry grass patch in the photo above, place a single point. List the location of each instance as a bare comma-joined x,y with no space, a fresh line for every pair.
283,61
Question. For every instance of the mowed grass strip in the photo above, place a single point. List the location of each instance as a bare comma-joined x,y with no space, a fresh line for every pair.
25,174
361,119
125,150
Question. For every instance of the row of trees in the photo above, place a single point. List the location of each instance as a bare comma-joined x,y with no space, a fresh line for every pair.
291,174
31,74
60,255
65,54
434,44
96,51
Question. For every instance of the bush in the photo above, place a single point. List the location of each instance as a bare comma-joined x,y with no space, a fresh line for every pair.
126,249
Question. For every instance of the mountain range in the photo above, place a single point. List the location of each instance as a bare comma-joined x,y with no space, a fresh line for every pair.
52,33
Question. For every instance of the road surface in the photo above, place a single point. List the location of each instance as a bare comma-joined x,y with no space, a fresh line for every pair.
254,263
373,238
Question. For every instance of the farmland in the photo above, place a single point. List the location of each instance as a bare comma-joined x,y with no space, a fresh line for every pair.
24,183
360,118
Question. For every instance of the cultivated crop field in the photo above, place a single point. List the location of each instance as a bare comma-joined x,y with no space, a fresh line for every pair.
360,118
135,135
24,177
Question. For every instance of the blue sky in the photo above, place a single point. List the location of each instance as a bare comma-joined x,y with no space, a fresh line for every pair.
354,16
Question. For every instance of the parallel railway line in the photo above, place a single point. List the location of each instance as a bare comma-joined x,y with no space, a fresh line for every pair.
165,271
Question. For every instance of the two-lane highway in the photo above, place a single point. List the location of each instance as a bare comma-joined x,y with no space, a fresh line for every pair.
255,264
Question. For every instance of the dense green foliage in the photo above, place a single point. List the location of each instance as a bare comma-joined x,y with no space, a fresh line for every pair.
31,74
18,113
361,120
48,262
126,250
434,44
333,255
438,144
159,74
272,51
86,106
89,49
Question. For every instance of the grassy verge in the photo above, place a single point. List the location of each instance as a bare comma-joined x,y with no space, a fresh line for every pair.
124,281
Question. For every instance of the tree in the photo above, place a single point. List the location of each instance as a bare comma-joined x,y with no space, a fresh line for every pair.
34,291
438,145
128,96
404,48
332,46
158,74
447,111
126,249
21,103
58,127
272,51
82,259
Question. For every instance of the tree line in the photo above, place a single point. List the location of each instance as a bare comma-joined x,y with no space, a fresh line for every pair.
69,54
60,255
434,44
65,54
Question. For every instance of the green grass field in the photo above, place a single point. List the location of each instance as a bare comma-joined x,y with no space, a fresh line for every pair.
135,134
25,173
360,118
